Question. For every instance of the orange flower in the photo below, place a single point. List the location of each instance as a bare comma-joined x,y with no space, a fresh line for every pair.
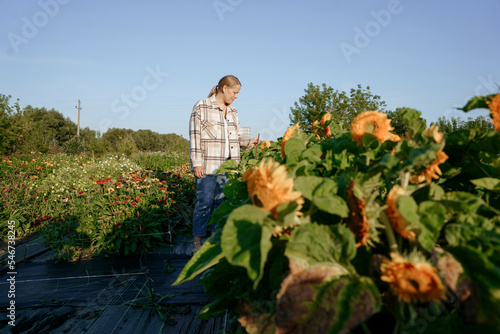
393,137
494,106
412,281
268,185
373,122
431,172
433,131
357,222
265,144
398,222
288,134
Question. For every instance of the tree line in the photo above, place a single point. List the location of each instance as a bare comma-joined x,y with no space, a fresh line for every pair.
344,107
41,130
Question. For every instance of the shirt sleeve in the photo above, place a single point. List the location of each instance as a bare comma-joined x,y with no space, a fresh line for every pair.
195,149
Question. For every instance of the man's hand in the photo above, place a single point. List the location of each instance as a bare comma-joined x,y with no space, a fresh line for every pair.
198,172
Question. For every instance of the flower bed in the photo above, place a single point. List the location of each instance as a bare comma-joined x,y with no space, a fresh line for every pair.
83,206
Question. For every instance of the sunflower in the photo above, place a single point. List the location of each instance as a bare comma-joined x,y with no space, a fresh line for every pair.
268,185
398,222
431,172
326,117
357,221
265,144
288,134
412,281
314,126
494,106
373,122
433,131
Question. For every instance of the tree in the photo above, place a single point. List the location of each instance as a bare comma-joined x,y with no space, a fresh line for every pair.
448,126
7,131
342,106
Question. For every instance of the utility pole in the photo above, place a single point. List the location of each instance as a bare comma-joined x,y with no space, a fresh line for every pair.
78,126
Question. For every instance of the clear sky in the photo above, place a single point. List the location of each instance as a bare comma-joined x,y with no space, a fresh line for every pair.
143,64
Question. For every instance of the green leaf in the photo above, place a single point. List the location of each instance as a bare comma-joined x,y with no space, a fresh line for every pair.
432,218
342,304
489,183
228,166
486,276
312,244
409,209
219,215
207,256
332,204
293,149
313,153
325,198
307,184
370,141
236,189
246,240
477,102
464,202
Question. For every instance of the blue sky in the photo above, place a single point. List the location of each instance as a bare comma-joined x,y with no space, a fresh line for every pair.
143,64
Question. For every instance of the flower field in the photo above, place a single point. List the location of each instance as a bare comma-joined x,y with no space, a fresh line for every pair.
83,205
360,230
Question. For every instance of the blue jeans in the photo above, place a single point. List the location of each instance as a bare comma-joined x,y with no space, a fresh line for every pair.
209,196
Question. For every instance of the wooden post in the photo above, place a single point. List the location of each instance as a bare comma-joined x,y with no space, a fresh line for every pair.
78,126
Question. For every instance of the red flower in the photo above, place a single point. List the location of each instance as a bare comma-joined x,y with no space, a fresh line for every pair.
118,223
80,193
128,196
138,199
46,199
125,202
134,204
37,222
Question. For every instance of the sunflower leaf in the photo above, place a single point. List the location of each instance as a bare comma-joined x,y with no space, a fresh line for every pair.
432,217
207,256
477,102
246,240
312,244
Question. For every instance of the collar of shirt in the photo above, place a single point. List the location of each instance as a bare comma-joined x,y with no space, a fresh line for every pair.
215,105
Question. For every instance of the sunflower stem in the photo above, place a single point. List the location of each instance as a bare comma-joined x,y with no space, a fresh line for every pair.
393,245
405,180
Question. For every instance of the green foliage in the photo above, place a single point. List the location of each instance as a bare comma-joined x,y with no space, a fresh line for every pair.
42,130
343,106
447,126
319,264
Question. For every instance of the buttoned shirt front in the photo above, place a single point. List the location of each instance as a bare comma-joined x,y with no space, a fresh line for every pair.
207,136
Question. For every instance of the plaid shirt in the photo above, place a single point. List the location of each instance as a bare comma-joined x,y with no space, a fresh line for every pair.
207,137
